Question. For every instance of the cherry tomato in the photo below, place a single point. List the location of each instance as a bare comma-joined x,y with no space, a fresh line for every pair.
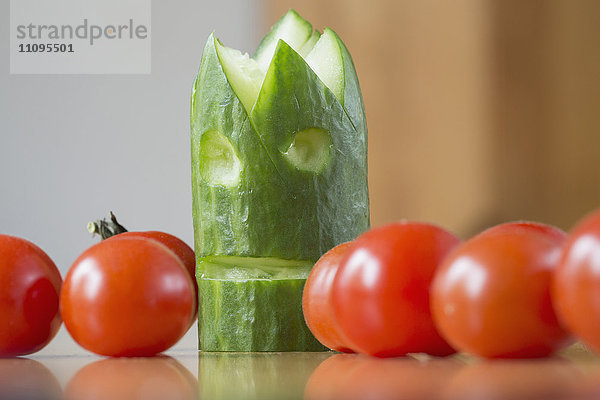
132,378
380,293
130,296
29,289
179,247
491,296
576,291
316,299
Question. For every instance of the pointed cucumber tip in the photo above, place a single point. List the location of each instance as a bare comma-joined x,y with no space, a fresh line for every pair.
294,13
327,61
243,74
310,43
292,28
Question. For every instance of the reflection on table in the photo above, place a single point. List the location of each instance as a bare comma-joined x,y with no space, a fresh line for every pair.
254,376
156,378
308,376
21,378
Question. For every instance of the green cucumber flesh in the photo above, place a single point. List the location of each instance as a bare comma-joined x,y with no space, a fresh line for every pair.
252,268
221,165
244,73
291,28
325,59
310,150
310,43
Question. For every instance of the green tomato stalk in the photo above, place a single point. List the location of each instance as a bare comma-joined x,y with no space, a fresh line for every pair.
106,228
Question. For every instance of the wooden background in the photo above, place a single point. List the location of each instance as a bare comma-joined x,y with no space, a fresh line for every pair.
479,111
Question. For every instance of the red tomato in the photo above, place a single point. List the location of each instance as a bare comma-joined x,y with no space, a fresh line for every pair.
29,288
179,247
576,291
130,296
491,296
380,293
316,299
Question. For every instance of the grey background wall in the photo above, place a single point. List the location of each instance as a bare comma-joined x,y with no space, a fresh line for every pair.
73,147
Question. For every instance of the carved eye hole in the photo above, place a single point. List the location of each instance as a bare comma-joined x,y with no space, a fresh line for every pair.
219,164
310,150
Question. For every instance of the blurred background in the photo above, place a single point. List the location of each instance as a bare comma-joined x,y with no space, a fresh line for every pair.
479,111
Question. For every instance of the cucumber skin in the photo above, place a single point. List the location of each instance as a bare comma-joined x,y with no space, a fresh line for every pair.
331,207
220,214
253,315
277,210
353,101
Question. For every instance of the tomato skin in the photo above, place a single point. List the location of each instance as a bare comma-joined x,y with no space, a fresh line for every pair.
380,293
179,247
491,296
576,290
29,289
129,297
316,299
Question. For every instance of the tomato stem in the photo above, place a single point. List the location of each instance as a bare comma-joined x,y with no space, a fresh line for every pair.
106,228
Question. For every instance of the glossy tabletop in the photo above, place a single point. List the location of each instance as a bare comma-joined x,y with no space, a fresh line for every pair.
186,375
